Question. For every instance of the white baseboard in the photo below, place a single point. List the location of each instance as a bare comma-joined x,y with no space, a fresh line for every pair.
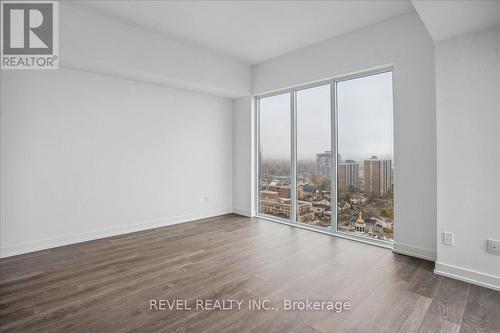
242,211
468,275
414,251
119,230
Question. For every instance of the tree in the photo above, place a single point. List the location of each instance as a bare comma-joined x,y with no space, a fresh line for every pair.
317,181
387,212
352,189
346,196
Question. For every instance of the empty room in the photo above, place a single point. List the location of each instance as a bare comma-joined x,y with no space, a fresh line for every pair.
250,166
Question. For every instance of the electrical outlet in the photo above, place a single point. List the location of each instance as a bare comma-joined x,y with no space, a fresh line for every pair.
207,198
448,238
494,246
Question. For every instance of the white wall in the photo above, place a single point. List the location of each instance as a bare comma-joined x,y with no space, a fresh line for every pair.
468,164
404,42
96,43
86,156
243,162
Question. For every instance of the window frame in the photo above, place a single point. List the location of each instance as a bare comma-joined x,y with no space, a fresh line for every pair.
332,82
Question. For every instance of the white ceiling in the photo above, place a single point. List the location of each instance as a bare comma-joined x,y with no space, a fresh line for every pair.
445,19
253,31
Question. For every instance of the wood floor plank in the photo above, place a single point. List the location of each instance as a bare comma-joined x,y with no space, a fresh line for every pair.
436,324
424,282
449,301
106,285
482,311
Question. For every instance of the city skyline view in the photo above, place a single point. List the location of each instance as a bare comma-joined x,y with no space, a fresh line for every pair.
375,108
364,174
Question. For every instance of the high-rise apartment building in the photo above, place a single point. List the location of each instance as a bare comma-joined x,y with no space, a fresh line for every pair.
324,164
377,176
347,175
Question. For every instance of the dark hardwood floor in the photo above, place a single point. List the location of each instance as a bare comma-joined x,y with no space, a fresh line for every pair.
106,285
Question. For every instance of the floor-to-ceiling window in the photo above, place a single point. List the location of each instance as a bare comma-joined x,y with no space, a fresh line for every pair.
314,156
365,156
325,145
274,187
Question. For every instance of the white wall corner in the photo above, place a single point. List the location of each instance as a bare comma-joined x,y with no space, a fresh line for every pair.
242,156
253,157
415,251
242,211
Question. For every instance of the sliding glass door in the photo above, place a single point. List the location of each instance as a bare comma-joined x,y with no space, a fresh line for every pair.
325,156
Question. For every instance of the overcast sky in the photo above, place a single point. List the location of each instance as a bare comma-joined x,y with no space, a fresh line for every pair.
365,120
